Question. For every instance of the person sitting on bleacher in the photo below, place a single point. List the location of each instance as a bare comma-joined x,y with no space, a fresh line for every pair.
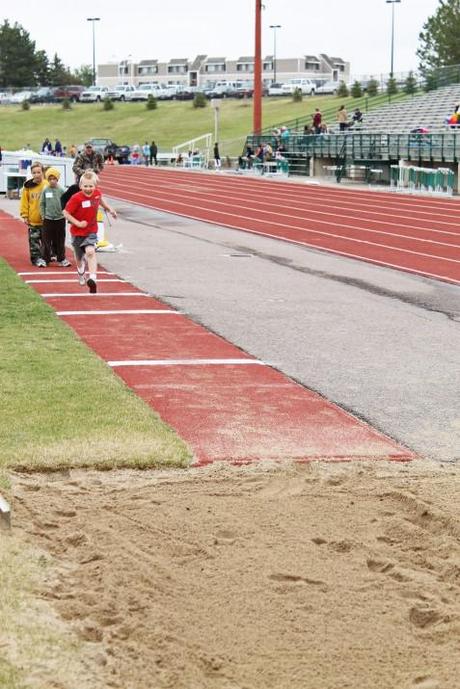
357,117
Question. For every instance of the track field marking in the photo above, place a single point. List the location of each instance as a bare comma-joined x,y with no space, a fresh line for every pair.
187,362
74,280
294,227
116,312
57,272
50,295
232,226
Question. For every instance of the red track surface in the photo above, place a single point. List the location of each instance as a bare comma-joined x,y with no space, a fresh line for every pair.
224,403
414,234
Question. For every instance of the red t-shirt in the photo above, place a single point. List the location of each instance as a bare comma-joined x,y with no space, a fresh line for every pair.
84,207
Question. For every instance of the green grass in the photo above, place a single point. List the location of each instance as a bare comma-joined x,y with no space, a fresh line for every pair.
60,405
172,123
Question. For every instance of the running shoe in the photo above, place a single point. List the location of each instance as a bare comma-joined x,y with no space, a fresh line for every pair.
92,285
40,263
65,263
81,278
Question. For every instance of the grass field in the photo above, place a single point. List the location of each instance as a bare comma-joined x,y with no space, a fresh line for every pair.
60,405
172,123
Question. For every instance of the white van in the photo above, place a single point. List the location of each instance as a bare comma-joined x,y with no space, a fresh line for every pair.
307,87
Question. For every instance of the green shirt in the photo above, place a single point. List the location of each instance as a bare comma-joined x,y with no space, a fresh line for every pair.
50,203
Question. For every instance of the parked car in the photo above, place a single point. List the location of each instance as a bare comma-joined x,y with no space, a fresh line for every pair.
327,87
244,89
120,92
108,148
71,93
307,87
221,89
5,97
21,96
143,92
45,94
94,94
276,89
185,92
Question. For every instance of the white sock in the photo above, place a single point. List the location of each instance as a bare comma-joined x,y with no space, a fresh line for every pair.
92,276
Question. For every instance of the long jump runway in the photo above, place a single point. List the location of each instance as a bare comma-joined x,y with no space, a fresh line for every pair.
418,235
225,403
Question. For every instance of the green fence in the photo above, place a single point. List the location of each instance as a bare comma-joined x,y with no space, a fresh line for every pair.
411,178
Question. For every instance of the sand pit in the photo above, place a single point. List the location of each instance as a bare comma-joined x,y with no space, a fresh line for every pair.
313,576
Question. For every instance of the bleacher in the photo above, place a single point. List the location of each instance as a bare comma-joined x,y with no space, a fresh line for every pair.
429,110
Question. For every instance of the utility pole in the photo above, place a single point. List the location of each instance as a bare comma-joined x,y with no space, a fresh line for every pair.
257,100
93,20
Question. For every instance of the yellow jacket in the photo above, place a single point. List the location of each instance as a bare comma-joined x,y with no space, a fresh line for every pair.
29,208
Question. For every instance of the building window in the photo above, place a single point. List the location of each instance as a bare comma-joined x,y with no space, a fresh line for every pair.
215,68
268,66
245,67
312,66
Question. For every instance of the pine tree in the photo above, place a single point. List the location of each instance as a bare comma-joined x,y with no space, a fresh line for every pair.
17,57
439,40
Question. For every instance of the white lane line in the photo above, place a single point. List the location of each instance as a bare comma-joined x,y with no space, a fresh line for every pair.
186,362
62,272
49,295
115,312
34,282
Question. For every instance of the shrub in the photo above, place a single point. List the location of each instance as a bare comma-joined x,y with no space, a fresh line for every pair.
410,85
372,87
151,102
356,90
297,96
25,105
200,100
66,104
342,91
392,87
107,104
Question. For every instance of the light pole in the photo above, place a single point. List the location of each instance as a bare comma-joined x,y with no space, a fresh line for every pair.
94,19
392,3
274,27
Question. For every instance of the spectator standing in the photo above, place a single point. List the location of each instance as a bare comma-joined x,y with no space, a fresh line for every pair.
57,148
46,146
88,159
153,153
317,119
72,150
146,153
285,134
342,118
29,210
81,212
53,233
217,161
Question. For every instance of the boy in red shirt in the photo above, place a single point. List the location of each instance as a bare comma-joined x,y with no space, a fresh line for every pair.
81,212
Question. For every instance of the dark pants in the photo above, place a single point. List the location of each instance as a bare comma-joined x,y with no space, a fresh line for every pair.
153,159
35,243
53,238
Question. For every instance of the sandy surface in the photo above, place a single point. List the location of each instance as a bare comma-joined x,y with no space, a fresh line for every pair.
315,576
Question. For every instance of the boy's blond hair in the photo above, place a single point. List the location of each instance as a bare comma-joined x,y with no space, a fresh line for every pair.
37,163
88,175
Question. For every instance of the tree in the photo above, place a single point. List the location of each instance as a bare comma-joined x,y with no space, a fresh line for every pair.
342,91
297,96
83,75
17,57
199,100
59,75
151,102
356,90
439,44
410,85
372,87
42,68
392,86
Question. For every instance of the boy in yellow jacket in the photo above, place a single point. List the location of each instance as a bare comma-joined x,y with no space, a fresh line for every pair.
29,210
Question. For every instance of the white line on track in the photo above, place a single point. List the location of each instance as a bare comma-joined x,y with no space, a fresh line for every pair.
186,362
56,272
51,295
358,257
115,312
71,280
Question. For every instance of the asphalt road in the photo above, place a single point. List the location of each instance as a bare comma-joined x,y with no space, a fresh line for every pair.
382,344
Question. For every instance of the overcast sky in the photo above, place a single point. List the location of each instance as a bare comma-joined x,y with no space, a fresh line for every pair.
358,31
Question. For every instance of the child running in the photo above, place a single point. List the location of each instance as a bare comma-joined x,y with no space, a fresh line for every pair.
81,212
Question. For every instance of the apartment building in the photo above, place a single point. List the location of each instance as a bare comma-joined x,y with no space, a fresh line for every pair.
205,70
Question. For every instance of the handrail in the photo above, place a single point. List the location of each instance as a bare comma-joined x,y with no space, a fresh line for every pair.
190,145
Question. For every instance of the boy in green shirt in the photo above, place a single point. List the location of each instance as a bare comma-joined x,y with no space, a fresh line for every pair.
53,234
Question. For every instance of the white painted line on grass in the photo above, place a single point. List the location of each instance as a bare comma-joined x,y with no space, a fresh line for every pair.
50,295
186,362
71,280
114,312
